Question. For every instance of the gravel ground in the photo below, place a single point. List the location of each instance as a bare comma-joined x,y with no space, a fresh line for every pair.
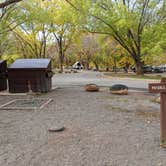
101,130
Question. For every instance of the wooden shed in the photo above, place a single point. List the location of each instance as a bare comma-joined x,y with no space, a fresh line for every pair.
3,75
26,75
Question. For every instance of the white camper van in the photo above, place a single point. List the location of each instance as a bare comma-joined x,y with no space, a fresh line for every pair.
77,66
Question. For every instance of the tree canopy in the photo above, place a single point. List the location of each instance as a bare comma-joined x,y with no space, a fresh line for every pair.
128,30
129,22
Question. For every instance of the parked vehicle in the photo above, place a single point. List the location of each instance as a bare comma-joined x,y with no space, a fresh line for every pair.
146,69
151,69
157,70
77,66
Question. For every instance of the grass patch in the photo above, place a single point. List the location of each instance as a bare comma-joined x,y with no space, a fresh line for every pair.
116,108
148,114
133,75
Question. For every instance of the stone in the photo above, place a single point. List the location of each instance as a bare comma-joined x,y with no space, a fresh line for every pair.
119,89
91,88
157,99
56,129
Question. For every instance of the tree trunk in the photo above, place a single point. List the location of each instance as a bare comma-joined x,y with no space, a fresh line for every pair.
87,65
44,43
114,67
139,68
61,67
61,54
138,64
96,66
61,57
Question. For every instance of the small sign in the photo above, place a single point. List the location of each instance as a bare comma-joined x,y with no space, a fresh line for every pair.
157,87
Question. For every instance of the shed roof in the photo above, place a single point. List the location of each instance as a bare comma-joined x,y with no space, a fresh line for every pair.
1,61
30,64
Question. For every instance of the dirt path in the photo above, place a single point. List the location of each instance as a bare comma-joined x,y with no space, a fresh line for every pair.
85,77
101,130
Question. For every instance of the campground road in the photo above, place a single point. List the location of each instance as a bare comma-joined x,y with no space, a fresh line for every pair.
85,77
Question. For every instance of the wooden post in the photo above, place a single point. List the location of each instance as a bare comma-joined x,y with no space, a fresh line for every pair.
163,115
161,88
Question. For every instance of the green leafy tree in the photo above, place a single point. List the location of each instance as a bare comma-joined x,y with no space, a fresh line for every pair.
154,51
127,21
9,20
34,32
63,26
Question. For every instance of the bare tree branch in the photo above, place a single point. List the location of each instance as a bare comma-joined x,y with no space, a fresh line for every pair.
8,2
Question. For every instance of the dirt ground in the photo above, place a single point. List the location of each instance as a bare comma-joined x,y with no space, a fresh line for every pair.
101,130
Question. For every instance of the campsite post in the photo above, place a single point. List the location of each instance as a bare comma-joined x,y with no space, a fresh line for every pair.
161,88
